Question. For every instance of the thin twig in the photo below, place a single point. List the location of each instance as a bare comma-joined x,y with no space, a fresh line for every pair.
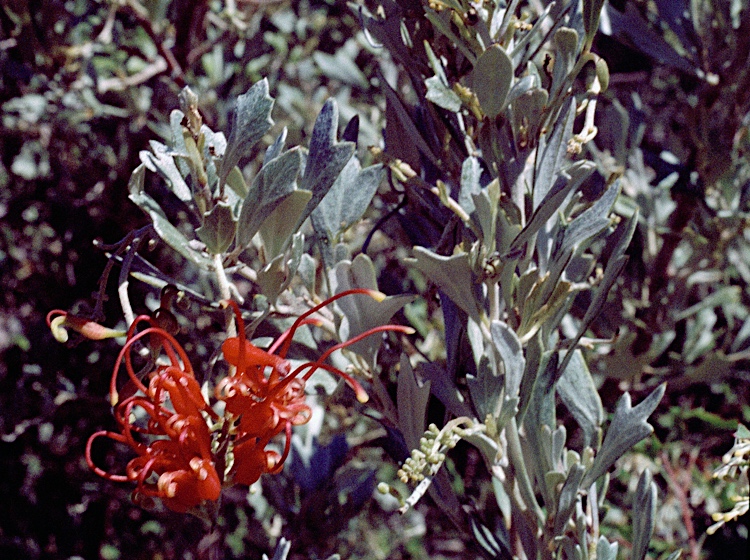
682,497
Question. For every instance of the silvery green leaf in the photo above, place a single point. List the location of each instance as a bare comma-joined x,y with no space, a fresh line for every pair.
487,207
275,181
471,183
565,42
278,227
553,148
628,427
522,86
606,550
644,514
162,226
341,67
438,88
578,392
215,145
236,182
252,119
486,387
306,271
491,80
411,400
528,113
452,274
326,157
559,437
675,555
218,229
592,221
538,423
510,350
441,95
274,150
622,236
271,278
160,161
571,178
591,11
298,248
536,362
349,198
361,312
568,495
178,142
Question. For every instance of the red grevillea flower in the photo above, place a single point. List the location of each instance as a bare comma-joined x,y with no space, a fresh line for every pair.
173,442
268,397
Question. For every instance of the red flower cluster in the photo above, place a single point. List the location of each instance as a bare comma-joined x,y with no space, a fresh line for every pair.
268,397
263,397
176,446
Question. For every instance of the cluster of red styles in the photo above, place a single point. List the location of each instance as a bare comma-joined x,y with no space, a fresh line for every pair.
183,445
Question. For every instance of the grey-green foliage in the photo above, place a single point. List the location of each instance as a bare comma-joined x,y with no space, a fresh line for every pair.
252,119
201,168
348,198
645,505
529,246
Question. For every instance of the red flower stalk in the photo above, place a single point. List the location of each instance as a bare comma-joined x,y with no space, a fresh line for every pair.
268,396
177,447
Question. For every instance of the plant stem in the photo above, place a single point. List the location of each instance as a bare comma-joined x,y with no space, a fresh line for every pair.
515,454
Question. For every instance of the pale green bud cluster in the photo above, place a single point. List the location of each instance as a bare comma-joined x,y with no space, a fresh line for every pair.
430,455
735,467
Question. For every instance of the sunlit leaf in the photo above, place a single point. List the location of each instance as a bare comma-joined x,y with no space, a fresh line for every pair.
252,119
348,198
218,229
275,181
452,275
278,227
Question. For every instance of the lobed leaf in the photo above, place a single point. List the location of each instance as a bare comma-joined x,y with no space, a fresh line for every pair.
452,274
252,119
628,427
326,158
